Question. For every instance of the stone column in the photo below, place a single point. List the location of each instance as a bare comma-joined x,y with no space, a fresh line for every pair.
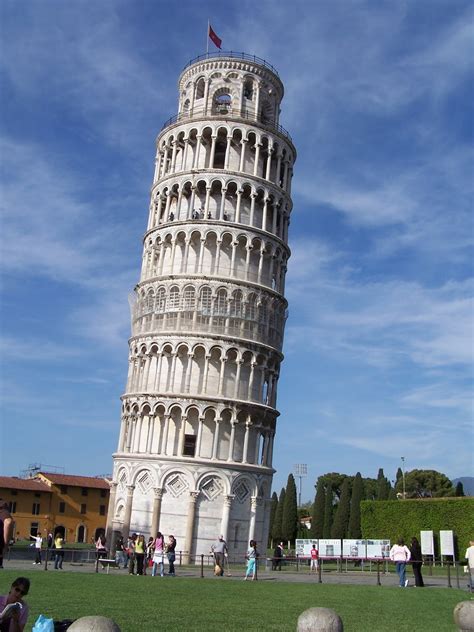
156,511
188,541
181,435
199,437
109,530
215,443
128,511
231,440
213,150
257,158
226,514
248,424
227,152
253,517
243,142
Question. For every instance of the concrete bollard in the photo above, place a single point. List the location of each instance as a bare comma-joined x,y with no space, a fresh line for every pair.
94,624
319,620
464,616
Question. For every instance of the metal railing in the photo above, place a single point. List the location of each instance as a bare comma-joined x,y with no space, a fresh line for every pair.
232,55
245,115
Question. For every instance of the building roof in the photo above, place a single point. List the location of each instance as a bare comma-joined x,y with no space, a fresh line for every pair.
28,484
74,481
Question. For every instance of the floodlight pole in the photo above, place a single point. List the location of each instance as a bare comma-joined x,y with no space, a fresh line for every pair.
300,470
403,476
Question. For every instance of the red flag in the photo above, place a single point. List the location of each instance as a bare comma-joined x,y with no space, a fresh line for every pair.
217,40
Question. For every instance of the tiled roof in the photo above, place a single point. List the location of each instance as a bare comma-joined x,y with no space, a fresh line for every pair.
75,481
31,484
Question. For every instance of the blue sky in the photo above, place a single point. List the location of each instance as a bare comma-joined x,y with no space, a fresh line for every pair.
378,346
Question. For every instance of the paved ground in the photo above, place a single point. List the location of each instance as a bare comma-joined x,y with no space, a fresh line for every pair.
237,573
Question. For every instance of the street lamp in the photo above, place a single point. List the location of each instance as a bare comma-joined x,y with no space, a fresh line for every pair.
300,470
403,476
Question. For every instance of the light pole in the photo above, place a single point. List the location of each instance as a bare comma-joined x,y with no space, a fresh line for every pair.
403,476
300,470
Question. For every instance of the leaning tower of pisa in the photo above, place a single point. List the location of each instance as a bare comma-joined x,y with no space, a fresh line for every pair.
194,455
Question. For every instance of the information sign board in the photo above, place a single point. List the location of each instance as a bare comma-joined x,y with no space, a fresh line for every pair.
427,544
378,549
330,548
354,548
303,547
446,541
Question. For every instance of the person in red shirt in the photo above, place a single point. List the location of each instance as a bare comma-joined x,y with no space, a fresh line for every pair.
314,559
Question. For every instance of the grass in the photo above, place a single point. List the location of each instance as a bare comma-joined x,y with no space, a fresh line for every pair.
208,605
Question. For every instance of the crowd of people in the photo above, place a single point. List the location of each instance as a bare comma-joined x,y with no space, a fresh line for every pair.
138,555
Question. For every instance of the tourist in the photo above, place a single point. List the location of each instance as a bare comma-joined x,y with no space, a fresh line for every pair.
314,559
100,548
140,549
171,554
400,554
220,550
38,541
469,555
6,528
12,607
158,555
277,557
131,554
150,548
252,557
416,562
59,551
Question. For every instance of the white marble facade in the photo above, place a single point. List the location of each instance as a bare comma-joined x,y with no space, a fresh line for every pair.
195,450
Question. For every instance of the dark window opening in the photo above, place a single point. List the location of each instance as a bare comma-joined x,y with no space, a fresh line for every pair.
36,509
12,506
103,493
84,491
102,510
83,508
62,507
63,489
189,445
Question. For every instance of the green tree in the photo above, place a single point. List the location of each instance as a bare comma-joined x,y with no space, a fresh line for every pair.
317,515
277,528
354,530
341,516
459,489
425,484
328,512
335,479
273,508
289,522
383,486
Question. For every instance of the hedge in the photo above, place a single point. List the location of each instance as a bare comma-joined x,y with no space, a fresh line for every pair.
393,519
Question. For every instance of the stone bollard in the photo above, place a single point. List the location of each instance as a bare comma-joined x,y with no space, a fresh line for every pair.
319,620
464,616
94,624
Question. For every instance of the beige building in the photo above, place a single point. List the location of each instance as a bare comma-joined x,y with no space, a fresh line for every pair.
194,455
75,506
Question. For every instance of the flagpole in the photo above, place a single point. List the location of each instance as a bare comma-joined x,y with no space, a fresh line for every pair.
207,37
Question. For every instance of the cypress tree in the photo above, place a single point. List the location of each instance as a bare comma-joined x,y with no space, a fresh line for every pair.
341,516
383,486
328,512
277,532
273,508
289,522
354,530
459,489
317,515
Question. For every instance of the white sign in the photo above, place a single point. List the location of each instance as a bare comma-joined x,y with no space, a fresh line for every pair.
427,544
378,549
330,548
303,547
353,548
446,541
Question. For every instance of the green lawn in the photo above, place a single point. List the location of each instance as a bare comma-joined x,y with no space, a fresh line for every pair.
141,604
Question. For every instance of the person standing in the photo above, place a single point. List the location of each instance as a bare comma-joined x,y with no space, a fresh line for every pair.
140,547
158,555
58,551
278,555
469,555
38,542
15,618
252,557
314,559
400,554
131,554
6,528
416,562
171,554
219,549
100,548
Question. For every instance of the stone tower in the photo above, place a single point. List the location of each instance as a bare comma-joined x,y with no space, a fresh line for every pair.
199,414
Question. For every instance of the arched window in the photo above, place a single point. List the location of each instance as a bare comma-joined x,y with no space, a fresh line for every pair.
200,89
173,300
160,300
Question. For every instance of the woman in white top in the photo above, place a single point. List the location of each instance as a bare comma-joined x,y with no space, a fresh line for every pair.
400,554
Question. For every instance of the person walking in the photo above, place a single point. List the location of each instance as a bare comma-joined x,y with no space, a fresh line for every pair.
220,550
278,555
252,557
100,549
171,554
469,555
416,562
400,554
38,542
